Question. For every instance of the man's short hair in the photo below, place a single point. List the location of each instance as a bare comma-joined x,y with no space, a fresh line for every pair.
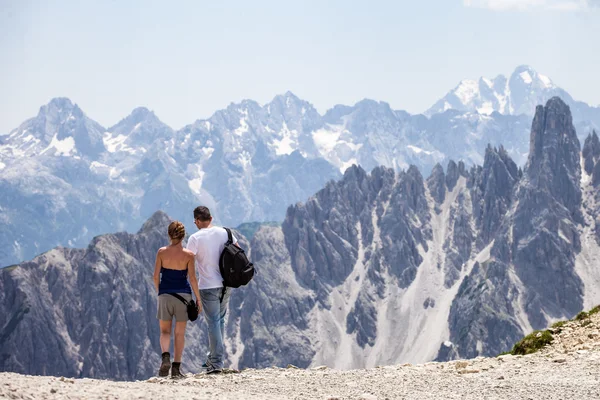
202,213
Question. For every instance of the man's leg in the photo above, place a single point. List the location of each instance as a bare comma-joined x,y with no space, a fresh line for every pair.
212,310
223,313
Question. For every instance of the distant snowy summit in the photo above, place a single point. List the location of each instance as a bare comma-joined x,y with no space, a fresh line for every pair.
516,95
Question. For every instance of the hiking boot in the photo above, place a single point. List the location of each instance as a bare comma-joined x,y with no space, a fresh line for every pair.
213,370
165,366
175,371
204,367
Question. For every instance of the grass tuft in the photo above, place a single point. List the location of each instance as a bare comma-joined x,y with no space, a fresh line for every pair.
594,310
581,316
532,343
559,324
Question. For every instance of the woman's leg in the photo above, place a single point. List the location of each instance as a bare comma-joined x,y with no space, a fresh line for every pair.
179,341
165,341
165,335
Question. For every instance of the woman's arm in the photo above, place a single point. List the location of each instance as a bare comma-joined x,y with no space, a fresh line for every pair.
157,265
191,267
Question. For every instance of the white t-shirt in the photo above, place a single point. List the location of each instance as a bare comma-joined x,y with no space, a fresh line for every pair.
208,244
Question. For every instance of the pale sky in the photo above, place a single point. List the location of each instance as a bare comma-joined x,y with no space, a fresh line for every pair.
187,59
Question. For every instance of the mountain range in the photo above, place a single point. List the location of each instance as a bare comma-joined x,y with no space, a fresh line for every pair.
65,179
375,268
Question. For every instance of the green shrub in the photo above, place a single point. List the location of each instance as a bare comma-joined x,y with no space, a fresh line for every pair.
559,324
594,310
532,343
581,316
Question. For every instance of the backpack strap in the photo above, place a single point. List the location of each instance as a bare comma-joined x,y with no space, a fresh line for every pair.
179,297
229,237
229,241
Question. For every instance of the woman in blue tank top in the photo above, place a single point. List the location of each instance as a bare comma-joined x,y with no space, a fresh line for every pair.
174,275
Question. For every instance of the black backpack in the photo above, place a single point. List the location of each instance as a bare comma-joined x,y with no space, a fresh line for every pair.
235,268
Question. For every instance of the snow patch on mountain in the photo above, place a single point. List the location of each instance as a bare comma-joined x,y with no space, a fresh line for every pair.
467,90
526,77
243,128
486,108
327,138
335,143
547,81
418,150
195,184
287,141
64,147
116,143
207,151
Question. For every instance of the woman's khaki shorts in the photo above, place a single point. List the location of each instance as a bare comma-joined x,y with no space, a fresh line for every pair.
170,306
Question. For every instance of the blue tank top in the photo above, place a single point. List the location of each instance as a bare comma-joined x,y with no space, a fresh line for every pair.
173,281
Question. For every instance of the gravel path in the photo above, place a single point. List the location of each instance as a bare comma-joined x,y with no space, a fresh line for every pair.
541,376
568,369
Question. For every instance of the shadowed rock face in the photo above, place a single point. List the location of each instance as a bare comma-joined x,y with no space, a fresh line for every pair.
491,192
366,268
591,158
533,255
436,183
545,236
591,152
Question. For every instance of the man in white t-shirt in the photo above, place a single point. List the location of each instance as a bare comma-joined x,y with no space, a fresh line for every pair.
207,245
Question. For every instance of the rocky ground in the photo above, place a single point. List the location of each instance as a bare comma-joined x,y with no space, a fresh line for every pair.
567,369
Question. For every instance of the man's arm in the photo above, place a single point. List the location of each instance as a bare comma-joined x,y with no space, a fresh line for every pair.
157,266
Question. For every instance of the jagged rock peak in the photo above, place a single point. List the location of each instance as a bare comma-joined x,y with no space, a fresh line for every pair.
452,175
462,169
529,76
243,106
158,220
290,105
554,154
414,172
551,130
58,104
287,98
491,191
591,151
59,109
141,112
437,183
138,115
373,106
355,172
